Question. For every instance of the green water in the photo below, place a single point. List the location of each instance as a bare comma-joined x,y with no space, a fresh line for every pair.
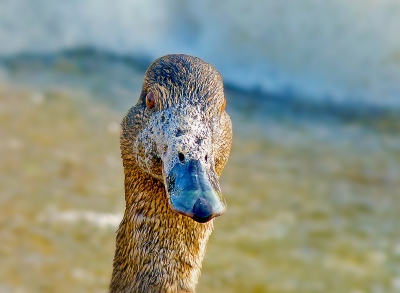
313,201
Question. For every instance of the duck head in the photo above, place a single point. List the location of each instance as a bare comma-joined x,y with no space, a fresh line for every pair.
181,133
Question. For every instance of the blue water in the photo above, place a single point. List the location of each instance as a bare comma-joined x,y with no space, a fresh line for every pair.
345,51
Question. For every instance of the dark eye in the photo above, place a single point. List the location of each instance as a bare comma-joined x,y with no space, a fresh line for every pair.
150,100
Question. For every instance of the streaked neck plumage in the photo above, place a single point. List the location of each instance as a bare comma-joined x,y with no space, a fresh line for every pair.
157,250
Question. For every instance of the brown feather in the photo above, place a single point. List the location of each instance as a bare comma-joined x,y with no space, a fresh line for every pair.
157,249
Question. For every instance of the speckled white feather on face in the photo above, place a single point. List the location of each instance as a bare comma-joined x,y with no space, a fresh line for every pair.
176,135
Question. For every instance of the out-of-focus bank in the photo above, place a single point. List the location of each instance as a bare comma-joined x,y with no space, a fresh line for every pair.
312,190
347,51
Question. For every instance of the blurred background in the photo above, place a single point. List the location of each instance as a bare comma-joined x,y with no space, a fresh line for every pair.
313,181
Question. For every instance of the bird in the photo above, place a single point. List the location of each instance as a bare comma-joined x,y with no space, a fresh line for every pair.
174,144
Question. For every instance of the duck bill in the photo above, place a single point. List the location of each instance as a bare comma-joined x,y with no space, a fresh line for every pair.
191,192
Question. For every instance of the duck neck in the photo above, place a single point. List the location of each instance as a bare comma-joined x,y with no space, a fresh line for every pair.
157,250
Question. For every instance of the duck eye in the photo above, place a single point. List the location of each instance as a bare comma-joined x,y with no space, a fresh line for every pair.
150,100
223,105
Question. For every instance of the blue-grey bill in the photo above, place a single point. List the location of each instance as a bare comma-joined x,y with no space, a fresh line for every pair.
191,193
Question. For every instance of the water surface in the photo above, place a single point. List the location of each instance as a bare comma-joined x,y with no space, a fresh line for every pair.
312,189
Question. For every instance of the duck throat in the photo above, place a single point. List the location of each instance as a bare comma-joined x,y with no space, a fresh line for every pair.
157,249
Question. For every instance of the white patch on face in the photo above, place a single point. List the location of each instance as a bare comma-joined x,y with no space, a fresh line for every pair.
172,132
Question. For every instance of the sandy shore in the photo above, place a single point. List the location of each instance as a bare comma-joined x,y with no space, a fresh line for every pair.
312,203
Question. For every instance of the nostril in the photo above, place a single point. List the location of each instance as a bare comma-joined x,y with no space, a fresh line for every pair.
206,158
179,132
181,157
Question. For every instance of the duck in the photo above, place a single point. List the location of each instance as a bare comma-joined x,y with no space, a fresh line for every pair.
174,143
